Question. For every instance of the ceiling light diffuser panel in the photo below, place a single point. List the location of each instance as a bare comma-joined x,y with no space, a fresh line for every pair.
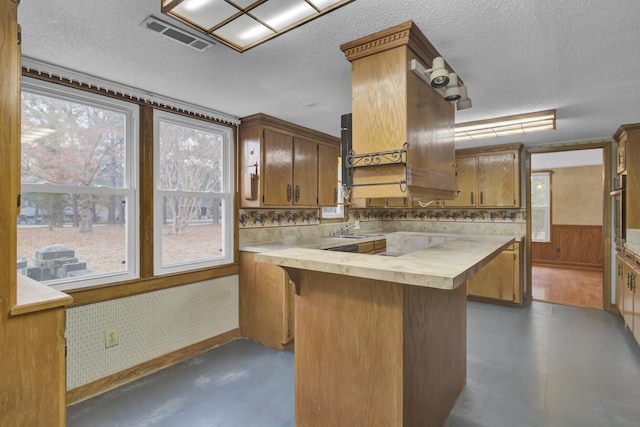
503,126
243,24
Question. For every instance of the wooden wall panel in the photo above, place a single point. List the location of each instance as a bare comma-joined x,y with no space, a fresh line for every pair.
348,356
433,319
33,370
571,245
375,353
263,297
9,148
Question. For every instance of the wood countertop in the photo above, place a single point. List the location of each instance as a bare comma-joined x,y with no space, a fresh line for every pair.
446,262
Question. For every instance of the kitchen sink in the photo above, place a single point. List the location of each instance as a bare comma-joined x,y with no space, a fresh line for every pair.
358,236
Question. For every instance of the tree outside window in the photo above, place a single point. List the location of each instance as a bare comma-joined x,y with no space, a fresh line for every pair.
541,206
77,195
193,197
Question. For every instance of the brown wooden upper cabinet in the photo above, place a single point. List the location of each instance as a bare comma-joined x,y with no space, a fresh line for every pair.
621,163
628,163
488,177
286,165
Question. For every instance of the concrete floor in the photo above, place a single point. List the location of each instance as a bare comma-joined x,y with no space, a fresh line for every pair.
542,365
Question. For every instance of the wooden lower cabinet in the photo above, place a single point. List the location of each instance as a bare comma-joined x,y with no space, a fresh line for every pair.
266,303
502,279
636,303
266,299
621,282
33,369
627,291
374,247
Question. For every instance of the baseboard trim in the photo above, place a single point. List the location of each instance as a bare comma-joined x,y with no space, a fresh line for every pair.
493,301
550,263
615,309
102,385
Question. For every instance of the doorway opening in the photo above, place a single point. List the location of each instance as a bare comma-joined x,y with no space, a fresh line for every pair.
567,217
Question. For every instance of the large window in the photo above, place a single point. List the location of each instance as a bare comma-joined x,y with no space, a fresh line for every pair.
193,203
541,206
78,218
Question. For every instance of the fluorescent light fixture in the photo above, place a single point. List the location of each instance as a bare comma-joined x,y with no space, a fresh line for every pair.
510,125
243,24
279,14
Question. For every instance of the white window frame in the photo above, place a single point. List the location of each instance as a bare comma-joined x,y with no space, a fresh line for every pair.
129,190
336,212
226,195
546,206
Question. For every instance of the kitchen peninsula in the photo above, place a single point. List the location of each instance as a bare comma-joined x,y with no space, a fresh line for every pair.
381,340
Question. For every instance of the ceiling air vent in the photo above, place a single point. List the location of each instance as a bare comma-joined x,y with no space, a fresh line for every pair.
176,34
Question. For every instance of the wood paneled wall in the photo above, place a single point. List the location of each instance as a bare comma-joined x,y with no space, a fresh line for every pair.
571,245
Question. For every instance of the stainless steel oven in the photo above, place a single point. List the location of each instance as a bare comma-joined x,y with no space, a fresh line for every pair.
619,202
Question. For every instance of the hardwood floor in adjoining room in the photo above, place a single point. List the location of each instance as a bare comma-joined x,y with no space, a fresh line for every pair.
565,285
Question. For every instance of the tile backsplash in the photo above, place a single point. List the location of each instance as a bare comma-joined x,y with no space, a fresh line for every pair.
249,218
261,218
480,215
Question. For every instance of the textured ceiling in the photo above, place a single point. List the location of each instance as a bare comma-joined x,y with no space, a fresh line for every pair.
516,56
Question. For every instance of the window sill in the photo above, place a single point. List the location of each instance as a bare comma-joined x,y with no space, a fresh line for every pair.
139,286
33,296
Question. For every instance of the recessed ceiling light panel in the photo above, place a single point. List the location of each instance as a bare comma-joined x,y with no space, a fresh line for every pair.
279,14
243,4
243,24
243,31
206,14
323,4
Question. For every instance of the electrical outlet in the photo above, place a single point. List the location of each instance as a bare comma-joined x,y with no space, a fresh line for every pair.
356,226
111,337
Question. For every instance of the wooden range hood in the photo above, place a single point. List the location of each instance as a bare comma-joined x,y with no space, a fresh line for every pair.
403,129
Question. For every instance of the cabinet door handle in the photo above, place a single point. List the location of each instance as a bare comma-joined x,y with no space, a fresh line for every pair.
472,197
335,195
297,193
481,198
288,192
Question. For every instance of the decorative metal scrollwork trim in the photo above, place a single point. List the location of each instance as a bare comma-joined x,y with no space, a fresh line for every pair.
378,158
